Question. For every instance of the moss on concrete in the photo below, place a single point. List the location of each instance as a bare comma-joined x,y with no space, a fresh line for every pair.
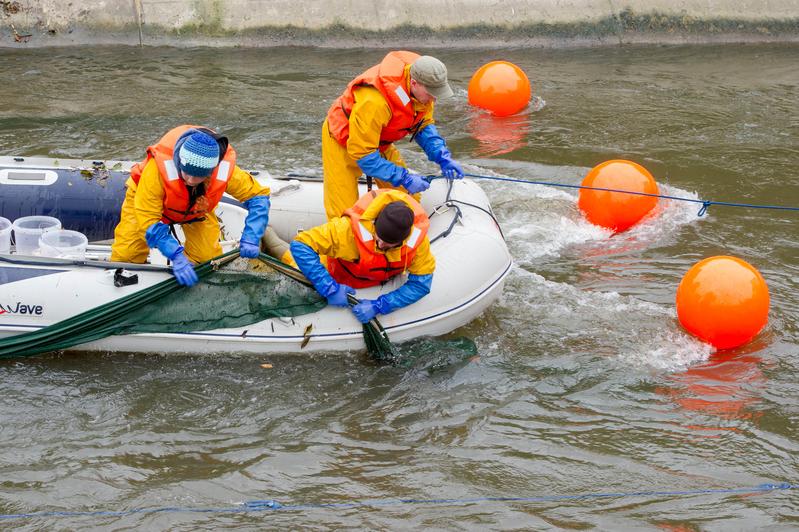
643,23
626,22
212,15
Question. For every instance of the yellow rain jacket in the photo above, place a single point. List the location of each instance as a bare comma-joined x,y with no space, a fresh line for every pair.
370,114
143,206
336,239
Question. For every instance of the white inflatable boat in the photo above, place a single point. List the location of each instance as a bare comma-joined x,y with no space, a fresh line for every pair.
472,262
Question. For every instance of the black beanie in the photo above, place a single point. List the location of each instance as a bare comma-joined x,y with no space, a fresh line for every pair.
394,223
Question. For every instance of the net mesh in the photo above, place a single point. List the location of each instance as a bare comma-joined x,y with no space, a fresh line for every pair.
233,297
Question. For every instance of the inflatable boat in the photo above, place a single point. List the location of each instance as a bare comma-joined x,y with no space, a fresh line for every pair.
472,262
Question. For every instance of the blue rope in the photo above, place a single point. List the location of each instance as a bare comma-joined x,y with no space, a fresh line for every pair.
705,203
272,505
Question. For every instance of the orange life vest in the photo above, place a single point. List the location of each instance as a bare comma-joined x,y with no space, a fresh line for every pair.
178,207
389,78
373,266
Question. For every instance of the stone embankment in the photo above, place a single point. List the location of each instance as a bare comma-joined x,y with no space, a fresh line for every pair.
395,23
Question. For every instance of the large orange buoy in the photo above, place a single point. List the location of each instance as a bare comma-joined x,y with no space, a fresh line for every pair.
617,210
500,87
723,301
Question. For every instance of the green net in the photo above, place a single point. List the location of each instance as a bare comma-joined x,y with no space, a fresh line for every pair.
237,294
229,298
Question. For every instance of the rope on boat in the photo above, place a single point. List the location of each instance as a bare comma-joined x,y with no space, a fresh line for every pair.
271,505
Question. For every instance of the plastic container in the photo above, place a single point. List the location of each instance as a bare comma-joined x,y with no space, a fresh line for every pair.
28,229
5,235
64,244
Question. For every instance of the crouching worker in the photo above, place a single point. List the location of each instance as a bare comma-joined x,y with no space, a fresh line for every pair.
181,181
383,235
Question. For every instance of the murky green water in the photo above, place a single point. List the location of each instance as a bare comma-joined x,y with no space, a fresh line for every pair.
583,381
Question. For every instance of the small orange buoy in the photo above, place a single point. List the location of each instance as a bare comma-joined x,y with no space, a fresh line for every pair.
617,210
723,301
500,87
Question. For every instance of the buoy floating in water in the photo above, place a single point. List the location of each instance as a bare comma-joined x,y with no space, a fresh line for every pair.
724,301
500,87
617,211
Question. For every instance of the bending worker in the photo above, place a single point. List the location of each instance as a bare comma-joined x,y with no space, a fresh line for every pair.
383,235
181,181
383,105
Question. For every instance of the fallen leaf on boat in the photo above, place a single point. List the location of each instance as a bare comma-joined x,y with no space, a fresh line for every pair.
307,335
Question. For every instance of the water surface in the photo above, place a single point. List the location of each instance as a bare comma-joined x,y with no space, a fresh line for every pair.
580,380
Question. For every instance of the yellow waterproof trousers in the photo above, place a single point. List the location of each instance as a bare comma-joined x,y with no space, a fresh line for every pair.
202,238
341,173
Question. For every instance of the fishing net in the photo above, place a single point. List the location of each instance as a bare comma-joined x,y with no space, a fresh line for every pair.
239,293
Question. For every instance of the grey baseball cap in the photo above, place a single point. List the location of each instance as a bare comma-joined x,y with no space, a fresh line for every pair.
432,73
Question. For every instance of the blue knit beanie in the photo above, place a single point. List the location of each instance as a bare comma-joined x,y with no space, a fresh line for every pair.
199,155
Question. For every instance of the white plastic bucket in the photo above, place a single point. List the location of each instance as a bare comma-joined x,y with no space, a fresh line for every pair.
28,229
64,244
5,235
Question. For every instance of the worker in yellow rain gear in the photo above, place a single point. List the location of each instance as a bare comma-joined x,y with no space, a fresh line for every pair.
181,181
383,235
382,105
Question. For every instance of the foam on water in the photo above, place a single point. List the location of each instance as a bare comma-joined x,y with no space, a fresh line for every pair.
543,224
634,332
541,220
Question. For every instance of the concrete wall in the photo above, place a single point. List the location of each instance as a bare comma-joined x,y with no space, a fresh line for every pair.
336,22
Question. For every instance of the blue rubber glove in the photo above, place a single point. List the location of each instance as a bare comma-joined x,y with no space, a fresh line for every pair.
365,310
435,147
183,270
256,221
414,289
158,236
338,298
375,166
248,250
414,183
431,142
449,168
308,262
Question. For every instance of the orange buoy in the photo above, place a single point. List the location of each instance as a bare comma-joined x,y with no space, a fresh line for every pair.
500,87
723,301
617,210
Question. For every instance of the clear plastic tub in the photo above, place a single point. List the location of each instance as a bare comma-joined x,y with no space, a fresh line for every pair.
64,244
28,229
5,235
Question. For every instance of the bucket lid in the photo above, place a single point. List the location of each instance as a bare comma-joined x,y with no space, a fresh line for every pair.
63,239
36,224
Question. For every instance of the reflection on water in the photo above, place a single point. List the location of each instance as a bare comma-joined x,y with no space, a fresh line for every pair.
726,387
499,135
